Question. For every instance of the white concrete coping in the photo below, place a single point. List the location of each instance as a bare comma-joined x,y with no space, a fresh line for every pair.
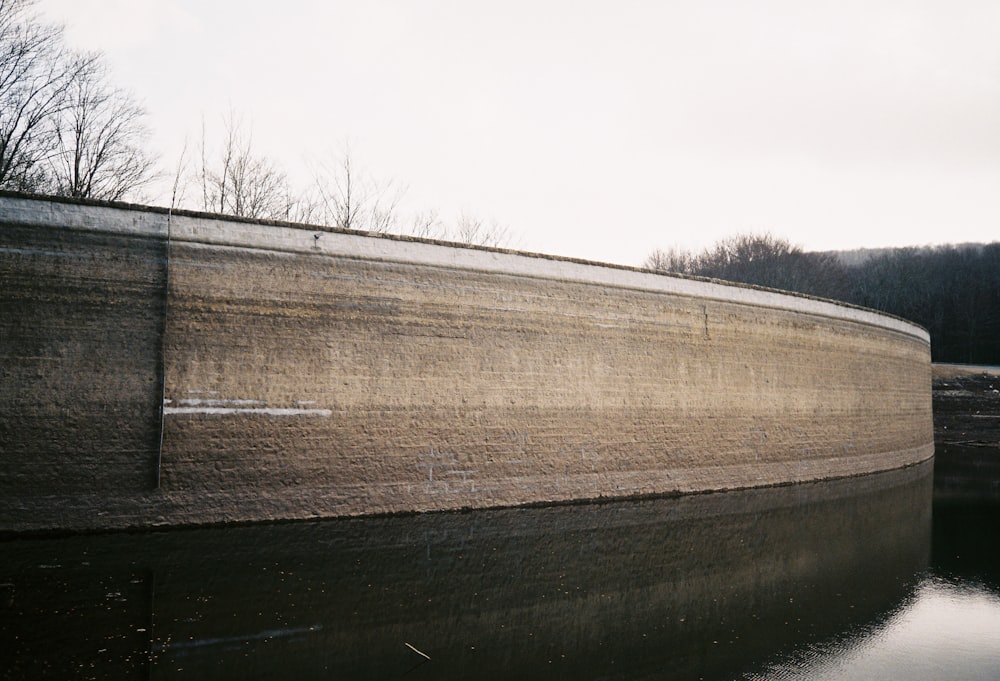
90,217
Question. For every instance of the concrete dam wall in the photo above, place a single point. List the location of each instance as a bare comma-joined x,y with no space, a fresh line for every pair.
180,369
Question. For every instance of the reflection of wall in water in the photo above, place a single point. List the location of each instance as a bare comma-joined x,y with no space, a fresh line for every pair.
311,374
674,587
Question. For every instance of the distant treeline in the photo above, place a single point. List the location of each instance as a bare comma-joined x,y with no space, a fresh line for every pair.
952,291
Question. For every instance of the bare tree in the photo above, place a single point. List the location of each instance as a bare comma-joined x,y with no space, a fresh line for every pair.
750,258
427,225
100,137
304,207
242,184
349,198
341,194
762,260
179,185
672,260
470,229
35,74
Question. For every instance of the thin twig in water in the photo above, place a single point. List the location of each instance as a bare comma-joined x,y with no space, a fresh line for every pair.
418,652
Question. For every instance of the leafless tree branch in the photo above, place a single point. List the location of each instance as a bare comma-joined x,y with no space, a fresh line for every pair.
36,72
100,141
242,183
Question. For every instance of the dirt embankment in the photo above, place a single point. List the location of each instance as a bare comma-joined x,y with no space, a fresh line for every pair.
966,433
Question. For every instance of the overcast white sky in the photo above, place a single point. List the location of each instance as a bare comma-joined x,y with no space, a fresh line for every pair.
599,130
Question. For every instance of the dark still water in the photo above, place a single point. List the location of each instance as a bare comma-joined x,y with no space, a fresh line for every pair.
822,581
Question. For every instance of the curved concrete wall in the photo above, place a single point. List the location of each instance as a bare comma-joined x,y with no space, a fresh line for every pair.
306,373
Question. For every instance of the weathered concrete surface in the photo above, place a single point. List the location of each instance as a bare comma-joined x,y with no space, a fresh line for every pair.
81,323
312,373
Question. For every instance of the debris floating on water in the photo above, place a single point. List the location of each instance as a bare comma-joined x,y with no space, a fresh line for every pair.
418,652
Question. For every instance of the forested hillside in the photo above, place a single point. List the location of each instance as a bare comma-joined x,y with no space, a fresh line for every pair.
952,291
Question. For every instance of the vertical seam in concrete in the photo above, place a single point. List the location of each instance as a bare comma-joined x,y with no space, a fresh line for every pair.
163,343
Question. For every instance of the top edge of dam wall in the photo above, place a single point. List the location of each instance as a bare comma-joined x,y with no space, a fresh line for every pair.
225,230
